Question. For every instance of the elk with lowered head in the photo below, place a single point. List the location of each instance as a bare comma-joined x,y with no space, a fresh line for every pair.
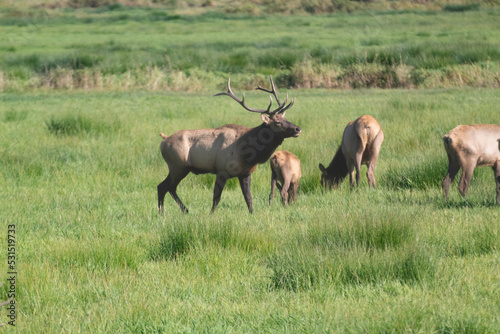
468,147
285,174
360,144
227,151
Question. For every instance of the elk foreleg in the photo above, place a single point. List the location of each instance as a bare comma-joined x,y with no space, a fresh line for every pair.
453,168
496,169
220,183
273,186
467,170
245,189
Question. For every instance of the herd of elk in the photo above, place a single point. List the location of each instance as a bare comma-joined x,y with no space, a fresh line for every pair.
235,151
285,174
227,151
468,147
360,145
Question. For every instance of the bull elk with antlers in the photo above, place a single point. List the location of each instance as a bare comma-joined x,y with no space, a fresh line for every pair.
361,143
468,147
227,151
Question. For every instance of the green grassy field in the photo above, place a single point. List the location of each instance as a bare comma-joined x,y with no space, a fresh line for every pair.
79,173
84,94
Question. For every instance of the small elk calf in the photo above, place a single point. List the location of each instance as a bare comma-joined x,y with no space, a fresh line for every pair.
360,145
468,147
285,173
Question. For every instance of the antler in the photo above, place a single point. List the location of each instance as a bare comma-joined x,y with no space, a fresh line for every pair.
242,102
282,107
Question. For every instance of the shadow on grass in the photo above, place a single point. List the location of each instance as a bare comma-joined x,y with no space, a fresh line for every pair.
462,203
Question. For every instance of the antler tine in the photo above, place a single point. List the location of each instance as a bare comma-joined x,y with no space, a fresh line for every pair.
242,102
272,91
287,107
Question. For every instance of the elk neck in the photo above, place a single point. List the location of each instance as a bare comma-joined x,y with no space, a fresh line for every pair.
338,166
258,144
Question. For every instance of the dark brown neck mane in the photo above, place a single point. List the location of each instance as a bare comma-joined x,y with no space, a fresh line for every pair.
259,144
337,170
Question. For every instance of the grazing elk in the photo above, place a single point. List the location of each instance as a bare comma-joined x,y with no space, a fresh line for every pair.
227,151
468,147
361,143
285,173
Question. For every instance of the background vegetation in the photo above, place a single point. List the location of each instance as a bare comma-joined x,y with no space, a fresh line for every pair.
118,47
84,93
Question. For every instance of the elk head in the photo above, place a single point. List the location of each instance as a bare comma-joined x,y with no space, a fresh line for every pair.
275,119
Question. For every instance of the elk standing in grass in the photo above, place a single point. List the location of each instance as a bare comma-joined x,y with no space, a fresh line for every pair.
361,143
285,173
468,147
227,151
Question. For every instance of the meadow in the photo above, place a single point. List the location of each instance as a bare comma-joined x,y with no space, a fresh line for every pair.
80,164
79,173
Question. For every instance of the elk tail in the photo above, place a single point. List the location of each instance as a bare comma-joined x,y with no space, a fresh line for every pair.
447,140
164,136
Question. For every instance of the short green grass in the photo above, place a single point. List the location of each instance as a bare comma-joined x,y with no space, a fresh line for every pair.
79,174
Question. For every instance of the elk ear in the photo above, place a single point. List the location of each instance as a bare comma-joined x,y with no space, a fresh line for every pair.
266,119
322,168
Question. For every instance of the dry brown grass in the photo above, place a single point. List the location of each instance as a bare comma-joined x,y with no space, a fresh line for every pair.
304,75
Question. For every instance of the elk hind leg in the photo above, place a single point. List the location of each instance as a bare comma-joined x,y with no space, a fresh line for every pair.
284,191
273,186
163,188
467,170
350,170
170,185
453,168
359,156
375,150
173,189
292,192
496,169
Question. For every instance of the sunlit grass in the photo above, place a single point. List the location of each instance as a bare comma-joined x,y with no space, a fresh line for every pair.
95,256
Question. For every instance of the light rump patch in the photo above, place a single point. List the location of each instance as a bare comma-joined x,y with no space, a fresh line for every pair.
468,147
360,145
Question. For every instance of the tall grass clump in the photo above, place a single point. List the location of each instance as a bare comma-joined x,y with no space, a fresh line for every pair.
70,125
423,176
177,240
368,231
298,268
95,255
470,240
173,243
